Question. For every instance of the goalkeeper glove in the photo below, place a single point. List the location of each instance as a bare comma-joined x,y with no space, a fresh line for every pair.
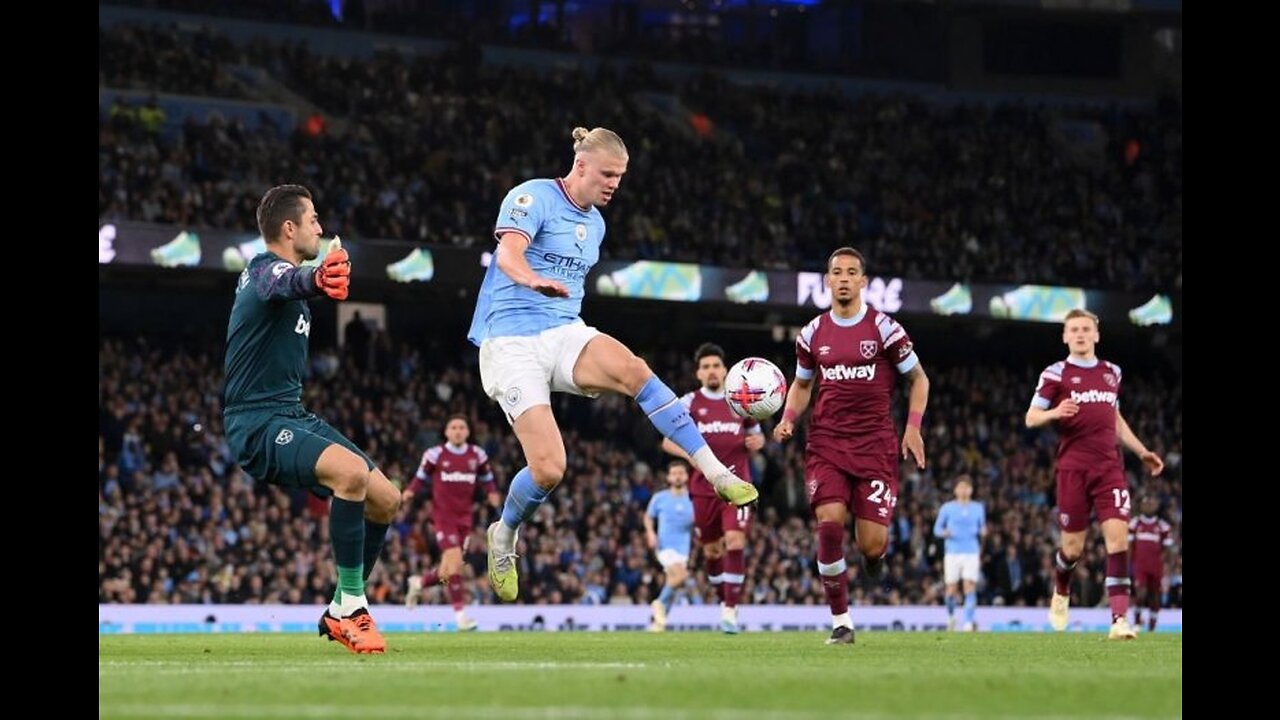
333,276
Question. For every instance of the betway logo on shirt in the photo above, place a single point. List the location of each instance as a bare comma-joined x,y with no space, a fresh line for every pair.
465,477
719,426
1093,396
849,372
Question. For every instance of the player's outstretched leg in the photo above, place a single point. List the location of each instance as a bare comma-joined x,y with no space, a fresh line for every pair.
671,419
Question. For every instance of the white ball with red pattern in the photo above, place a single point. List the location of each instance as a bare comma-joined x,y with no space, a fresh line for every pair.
755,388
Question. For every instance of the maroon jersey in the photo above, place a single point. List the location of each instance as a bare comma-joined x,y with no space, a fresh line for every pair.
454,473
856,363
725,433
1087,441
1149,537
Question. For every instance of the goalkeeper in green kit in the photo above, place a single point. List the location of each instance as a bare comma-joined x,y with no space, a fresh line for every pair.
273,437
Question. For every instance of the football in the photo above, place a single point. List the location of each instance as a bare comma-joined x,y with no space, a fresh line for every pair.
755,388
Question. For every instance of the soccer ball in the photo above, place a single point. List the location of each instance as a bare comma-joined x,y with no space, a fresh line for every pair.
755,388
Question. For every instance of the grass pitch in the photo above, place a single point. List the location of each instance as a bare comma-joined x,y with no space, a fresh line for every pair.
639,676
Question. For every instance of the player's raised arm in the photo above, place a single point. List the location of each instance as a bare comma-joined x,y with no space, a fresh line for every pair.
281,280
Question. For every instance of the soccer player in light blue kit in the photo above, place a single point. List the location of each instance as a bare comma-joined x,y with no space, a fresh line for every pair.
533,343
673,511
962,523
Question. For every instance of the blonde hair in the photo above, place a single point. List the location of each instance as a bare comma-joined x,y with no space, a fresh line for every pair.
1080,313
585,140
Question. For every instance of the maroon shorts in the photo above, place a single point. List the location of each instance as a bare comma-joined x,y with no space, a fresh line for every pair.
714,517
1145,577
1107,492
868,499
450,533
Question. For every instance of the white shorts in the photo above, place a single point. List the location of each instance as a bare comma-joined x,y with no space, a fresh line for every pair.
521,371
957,567
669,557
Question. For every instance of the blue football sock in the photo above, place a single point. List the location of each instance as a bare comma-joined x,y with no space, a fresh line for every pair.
970,605
669,416
951,605
524,497
667,596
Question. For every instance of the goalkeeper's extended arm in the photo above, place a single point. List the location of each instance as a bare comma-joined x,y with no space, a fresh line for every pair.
281,280
333,276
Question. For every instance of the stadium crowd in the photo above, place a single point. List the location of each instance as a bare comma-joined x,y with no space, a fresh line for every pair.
180,522
720,173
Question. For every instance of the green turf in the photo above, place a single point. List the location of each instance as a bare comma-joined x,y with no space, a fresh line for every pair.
638,676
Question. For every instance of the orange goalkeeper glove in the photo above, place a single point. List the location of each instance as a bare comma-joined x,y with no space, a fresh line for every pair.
333,276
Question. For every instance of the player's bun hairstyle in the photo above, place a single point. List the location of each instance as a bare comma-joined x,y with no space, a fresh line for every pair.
282,202
850,252
585,140
708,350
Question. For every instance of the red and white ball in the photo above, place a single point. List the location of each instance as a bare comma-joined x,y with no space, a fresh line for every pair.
755,388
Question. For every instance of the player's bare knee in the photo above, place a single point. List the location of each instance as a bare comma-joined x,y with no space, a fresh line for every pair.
548,469
350,480
450,562
874,549
829,513
735,541
634,374
713,551
382,507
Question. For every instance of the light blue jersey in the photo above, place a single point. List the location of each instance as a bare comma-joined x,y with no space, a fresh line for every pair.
674,514
564,244
965,521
